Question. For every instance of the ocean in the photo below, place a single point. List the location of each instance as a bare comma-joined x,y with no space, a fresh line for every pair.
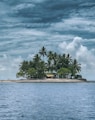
47,101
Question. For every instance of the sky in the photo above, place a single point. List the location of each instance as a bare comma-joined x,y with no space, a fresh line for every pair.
64,26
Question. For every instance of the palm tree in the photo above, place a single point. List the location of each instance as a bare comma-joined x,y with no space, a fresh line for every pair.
36,61
59,62
62,64
50,60
31,73
42,52
41,69
50,55
39,65
36,58
24,66
75,67
68,60
55,59
63,72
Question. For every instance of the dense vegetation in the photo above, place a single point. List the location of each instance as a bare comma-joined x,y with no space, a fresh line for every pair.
44,62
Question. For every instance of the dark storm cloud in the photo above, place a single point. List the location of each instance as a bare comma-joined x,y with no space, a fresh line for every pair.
51,11
45,12
41,14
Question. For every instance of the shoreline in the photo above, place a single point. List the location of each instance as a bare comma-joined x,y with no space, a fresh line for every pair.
46,81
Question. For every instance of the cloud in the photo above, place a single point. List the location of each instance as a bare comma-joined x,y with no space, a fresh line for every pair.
84,55
72,46
23,6
75,24
9,67
2,68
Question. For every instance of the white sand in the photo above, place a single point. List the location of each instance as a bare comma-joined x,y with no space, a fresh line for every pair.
45,81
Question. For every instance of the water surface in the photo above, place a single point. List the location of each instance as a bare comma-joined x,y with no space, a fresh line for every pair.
47,101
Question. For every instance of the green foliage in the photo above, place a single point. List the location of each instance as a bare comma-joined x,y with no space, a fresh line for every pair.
63,65
75,67
20,74
63,72
31,73
42,52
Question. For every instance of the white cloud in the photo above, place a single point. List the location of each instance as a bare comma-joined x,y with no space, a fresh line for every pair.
79,24
84,55
72,46
9,67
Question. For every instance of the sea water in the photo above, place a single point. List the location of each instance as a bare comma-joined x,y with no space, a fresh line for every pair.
47,101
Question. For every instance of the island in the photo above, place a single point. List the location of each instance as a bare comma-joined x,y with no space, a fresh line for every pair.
49,66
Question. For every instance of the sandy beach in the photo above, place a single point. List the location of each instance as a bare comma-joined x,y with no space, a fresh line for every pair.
46,81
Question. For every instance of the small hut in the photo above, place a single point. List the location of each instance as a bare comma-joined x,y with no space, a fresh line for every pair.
50,75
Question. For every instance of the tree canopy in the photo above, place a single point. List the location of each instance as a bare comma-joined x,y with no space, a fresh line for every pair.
62,65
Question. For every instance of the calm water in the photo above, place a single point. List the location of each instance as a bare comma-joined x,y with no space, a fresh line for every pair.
47,101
